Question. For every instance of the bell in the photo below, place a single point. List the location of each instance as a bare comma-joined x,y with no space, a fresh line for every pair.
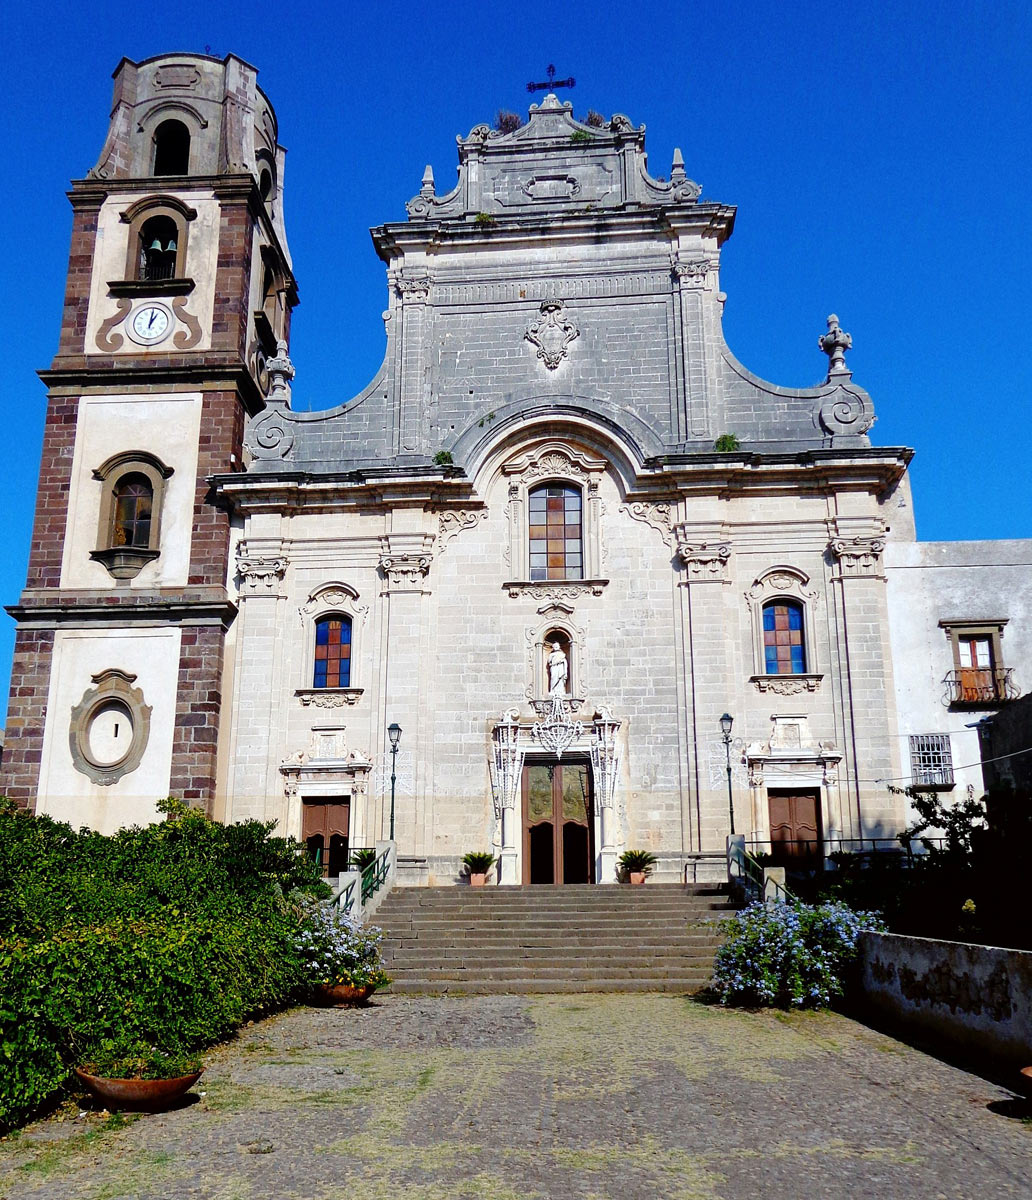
171,245
155,245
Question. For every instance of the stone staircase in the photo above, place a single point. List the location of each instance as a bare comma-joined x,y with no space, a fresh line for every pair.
656,938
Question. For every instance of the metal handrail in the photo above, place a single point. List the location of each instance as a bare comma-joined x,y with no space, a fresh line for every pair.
345,898
375,875
753,874
822,848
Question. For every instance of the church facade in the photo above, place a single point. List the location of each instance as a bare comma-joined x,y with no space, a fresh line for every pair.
559,535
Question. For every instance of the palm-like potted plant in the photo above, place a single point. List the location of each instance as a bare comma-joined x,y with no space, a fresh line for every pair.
478,863
137,1076
637,865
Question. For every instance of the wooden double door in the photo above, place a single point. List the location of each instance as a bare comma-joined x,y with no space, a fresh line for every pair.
795,825
558,822
326,827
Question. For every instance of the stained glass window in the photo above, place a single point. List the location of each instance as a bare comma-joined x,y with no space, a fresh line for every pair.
134,500
556,548
783,645
332,652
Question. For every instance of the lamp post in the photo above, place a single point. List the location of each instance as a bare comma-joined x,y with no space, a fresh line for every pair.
726,721
394,733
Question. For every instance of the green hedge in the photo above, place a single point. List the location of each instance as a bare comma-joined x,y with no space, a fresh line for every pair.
170,936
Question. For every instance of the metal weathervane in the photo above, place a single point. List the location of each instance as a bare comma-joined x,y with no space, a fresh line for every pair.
551,83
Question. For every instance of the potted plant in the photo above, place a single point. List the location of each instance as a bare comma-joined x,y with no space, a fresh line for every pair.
478,863
139,1077
362,858
637,865
341,959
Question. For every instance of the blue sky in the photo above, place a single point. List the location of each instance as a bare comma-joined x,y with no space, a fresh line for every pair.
879,156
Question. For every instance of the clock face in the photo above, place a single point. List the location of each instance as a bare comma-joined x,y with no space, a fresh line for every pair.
150,324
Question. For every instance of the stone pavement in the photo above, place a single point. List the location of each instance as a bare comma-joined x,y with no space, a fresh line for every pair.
585,1096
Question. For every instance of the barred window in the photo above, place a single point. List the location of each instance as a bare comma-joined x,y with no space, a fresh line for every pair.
332,652
555,533
783,644
931,761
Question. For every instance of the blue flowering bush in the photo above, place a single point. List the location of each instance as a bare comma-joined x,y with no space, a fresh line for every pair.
789,955
335,949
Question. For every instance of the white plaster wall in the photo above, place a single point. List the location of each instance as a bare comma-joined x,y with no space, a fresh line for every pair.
152,655
929,582
166,425
109,263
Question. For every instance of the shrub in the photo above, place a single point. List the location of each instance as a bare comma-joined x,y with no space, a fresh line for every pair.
363,858
727,443
150,942
506,121
595,119
334,949
443,458
788,955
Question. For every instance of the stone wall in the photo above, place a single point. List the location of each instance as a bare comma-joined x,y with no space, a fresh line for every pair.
966,999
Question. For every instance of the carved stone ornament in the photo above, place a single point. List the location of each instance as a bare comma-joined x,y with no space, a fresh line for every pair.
557,732
835,343
787,685
270,436
454,520
405,572
330,596
859,556
658,515
109,728
551,187
259,572
691,273
413,288
552,334
328,697
569,589
845,411
180,76
702,560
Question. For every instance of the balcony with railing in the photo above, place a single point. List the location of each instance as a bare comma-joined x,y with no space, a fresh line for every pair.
980,687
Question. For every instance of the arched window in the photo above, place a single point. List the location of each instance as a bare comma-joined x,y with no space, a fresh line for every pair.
133,507
265,183
159,243
784,643
171,148
556,548
332,667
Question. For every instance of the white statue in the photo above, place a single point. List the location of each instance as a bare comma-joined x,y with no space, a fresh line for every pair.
558,671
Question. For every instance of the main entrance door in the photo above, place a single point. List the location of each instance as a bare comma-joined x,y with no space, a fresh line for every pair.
558,823
325,830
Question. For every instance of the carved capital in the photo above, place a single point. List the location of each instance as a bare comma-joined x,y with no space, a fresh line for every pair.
405,572
702,560
259,572
859,556
690,273
416,288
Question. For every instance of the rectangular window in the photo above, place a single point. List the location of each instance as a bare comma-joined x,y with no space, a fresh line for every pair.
783,639
931,761
332,653
555,533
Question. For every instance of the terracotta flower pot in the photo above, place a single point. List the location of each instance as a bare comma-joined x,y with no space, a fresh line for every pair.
341,995
637,878
477,878
139,1095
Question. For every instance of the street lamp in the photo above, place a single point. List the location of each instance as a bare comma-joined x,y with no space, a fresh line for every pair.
726,721
394,733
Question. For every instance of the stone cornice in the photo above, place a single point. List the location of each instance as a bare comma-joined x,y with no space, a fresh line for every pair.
201,370
128,606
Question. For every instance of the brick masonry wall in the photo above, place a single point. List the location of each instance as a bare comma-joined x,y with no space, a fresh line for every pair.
198,709
49,526
222,428
26,715
80,273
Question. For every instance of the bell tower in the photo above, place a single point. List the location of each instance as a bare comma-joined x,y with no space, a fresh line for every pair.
179,289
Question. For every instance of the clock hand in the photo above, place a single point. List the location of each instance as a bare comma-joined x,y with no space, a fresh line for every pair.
153,317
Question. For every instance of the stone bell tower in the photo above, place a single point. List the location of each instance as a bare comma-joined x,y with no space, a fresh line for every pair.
179,290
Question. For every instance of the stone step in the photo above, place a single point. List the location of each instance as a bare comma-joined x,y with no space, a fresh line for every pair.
637,963
601,974
481,987
545,947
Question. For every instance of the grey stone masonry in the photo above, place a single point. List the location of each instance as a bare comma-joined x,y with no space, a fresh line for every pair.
558,274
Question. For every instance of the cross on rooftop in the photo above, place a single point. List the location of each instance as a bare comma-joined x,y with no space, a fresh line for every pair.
551,83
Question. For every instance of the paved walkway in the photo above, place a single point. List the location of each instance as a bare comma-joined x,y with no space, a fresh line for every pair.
514,1097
